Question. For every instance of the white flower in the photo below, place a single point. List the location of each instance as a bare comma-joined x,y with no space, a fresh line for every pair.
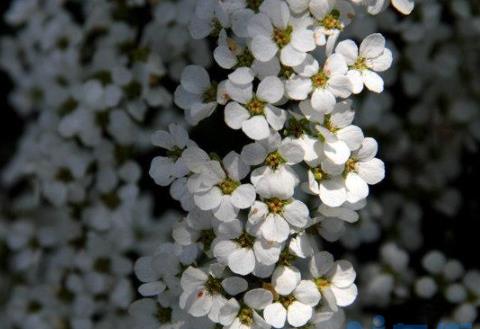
363,169
255,113
273,30
245,316
334,279
210,18
217,187
276,217
331,18
364,62
165,169
197,95
201,293
296,299
242,251
276,178
324,84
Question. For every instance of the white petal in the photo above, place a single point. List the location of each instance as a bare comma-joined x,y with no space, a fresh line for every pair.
371,171
382,62
229,312
275,315
235,167
192,278
226,211
298,88
337,151
275,228
299,314
263,48
276,117
368,150
372,81
333,192
253,154
349,50
258,298
303,40
291,151
260,25
343,275
239,93
223,249
404,6
224,57
356,80
234,285
352,136
323,100
266,252
243,196
285,279
307,293
289,56
372,46
297,214
270,89
357,188
195,79
256,127
277,11
242,261
241,76
235,115
321,263
345,296
199,302
151,288
340,86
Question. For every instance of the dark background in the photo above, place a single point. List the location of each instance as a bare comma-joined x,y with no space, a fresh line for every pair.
457,237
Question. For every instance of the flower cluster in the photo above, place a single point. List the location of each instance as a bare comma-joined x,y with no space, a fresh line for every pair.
247,254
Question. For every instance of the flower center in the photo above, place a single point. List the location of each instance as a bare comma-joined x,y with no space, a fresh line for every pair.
228,185
254,4
282,37
350,165
327,123
319,174
213,285
319,80
255,106
274,160
322,283
210,95
275,205
246,316
245,240
332,21
286,301
360,64
216,28
163,314
206,238
175,153
245,59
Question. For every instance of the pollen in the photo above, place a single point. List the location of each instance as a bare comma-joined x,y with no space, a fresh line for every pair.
322,283
319,80
255,106
332,21
282,37
274,160
228,186
275,205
